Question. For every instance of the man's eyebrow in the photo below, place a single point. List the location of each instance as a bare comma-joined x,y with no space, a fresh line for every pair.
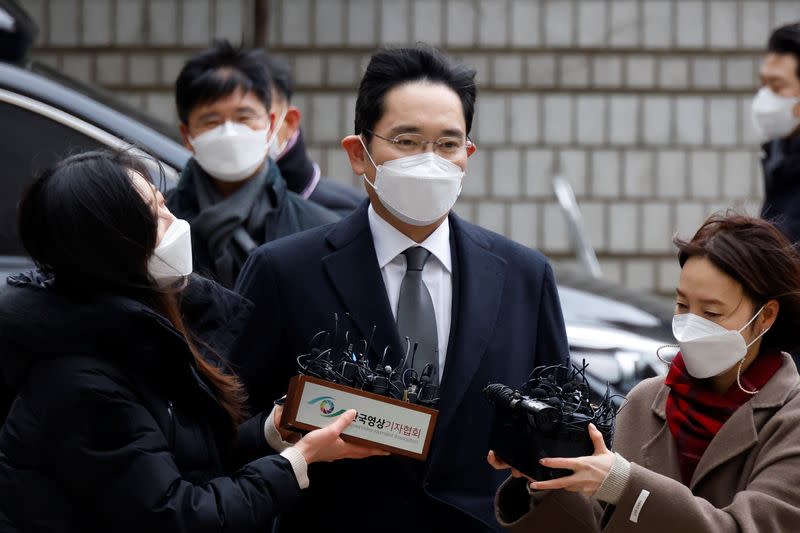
404,128
407,128
452,132
208,115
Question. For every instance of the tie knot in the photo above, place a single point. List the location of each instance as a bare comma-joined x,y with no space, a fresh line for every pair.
416,257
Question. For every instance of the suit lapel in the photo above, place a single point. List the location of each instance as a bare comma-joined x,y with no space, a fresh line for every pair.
354,273
477,293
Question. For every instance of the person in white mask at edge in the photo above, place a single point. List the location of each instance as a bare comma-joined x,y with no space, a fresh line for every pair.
478,306
776,120
125,416
288,148
714,446
230,192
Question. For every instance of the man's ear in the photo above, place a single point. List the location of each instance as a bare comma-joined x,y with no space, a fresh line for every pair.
292,120
184,129
356,153
796,110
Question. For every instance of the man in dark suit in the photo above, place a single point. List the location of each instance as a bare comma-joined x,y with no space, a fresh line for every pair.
481,308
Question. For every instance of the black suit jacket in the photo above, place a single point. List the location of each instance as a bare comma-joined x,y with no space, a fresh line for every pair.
506,320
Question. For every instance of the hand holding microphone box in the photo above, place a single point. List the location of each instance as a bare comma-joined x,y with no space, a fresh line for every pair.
547,417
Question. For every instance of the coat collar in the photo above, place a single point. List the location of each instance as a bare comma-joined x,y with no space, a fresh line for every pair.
390,242
774,394
299,171
737,435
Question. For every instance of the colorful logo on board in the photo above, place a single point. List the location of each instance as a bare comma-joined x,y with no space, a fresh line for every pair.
327,408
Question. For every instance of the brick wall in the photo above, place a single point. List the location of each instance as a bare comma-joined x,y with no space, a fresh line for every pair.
134,48
642,104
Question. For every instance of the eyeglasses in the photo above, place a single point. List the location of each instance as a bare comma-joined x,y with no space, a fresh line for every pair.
413,143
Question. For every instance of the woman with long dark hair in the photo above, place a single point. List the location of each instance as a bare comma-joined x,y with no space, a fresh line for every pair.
124,417
715,446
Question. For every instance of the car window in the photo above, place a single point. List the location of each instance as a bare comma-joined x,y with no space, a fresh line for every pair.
29,143
108,99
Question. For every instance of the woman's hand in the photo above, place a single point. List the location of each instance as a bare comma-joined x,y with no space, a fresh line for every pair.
287,435
498,464
326,445
588,472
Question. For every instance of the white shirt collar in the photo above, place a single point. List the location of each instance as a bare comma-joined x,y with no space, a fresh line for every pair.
390,242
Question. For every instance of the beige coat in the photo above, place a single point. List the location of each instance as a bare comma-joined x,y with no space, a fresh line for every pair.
747,481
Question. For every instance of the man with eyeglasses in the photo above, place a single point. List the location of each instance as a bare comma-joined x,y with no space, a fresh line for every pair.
233,196
479,307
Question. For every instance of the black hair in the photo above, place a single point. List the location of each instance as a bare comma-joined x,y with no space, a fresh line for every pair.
281,74
760,258
390,68
218,72
84,221
786,40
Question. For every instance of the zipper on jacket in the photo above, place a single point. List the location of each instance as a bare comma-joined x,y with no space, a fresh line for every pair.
172,424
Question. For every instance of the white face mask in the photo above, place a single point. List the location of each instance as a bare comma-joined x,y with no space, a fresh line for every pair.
709,349
276,148
172,258
230,152
418,189
773,116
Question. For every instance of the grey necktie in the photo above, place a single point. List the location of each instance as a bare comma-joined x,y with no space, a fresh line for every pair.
416,318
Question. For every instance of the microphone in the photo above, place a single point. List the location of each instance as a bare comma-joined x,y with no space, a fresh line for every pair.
539,392
343,361
414,354
547,417
540,414
369,343
428,390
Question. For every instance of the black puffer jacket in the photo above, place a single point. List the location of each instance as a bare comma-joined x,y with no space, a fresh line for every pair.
112,428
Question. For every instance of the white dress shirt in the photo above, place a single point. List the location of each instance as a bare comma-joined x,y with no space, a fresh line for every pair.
437,273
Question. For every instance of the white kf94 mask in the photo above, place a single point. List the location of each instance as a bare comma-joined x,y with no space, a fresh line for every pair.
773,115
418,189
709,349
230,152
172,258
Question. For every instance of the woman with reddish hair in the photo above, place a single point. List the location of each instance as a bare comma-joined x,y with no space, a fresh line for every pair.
714,447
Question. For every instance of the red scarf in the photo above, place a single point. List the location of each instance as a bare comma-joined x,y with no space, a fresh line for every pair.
695,413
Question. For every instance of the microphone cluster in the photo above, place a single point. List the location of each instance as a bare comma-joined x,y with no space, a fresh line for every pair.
548,416
348,363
